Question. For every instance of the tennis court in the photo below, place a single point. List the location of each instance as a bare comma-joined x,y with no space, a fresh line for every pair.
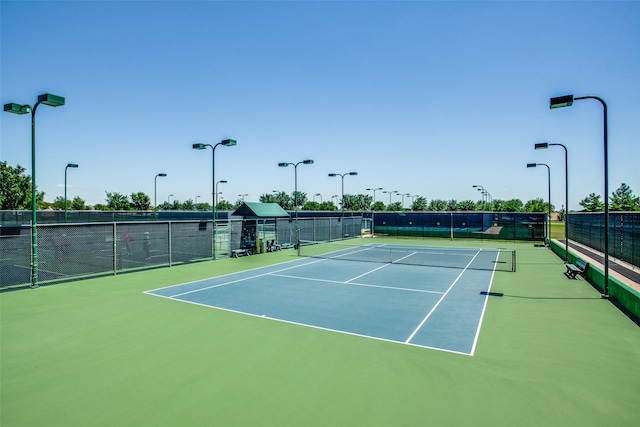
397,295
103,352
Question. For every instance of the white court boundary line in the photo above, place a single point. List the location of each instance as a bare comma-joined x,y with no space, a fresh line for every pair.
433,309
274,273
366,285
290,322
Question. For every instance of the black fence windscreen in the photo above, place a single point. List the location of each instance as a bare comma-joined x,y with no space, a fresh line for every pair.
624,233
480,225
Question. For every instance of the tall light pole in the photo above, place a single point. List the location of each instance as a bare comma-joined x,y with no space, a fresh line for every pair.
201,146
197,197
342,175
51,101
567,101
69,165
372,209
223,181
481,189
317,194
155,190
404,194
390,193
295,193
533,165
243,196
544,146
412,197
169,199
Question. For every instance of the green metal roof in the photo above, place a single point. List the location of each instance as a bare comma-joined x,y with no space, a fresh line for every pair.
260,210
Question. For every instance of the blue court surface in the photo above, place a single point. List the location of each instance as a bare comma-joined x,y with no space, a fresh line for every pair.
433,307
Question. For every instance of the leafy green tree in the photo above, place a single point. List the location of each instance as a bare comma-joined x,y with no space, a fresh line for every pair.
140,202
379,206
311,206
100,207
466,205
298,199
395,206
237,204
592,203
497,205
283,199
58,203
78,204
203,207
452,205
224,205
15,189
513,205
328,206
188,205
437,205
360,202
117,202
537,205
623,199
268,198
419,204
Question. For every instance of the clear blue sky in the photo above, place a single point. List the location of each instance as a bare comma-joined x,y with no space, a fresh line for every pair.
426,98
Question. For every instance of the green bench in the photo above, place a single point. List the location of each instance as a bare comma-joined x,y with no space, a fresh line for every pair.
579,267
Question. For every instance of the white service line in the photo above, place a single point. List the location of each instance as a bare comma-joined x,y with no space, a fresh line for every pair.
440,300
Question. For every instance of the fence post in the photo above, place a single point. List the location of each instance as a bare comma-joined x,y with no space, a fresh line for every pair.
115,250
169,245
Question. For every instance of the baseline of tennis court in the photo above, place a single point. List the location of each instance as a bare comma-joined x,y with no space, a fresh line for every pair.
433,307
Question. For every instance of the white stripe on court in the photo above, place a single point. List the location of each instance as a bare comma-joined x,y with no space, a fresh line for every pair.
241,280
440,300
395,288
484,307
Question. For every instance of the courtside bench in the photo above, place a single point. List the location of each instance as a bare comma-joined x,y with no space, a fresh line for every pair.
235,253
579,267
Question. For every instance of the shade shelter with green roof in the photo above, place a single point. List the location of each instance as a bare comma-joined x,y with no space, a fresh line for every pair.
259,224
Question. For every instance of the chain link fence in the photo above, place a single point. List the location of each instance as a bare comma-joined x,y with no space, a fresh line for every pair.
478,225
66,251
624,233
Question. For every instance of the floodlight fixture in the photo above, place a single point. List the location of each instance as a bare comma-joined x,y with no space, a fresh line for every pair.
295,192
69,165
548,228
20,109
566,101
561,101
544,146
342,175
202,146
14,108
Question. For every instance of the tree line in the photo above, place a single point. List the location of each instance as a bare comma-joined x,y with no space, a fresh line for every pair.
15,194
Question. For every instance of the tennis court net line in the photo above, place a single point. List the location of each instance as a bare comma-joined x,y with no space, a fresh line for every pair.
473,259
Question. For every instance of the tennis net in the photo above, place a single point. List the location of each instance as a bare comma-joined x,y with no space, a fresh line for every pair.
473,259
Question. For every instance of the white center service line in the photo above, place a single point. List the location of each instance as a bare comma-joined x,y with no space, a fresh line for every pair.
439,301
